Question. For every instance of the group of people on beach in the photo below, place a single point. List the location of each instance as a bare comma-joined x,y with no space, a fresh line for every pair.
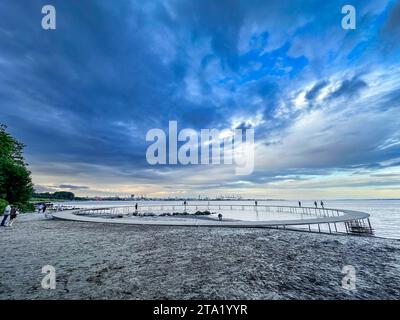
9,215
41,207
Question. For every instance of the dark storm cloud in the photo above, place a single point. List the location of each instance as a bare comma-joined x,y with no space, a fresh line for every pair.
391,29
82,97
315,90
349,88
97,83
72,187
219,20
88,77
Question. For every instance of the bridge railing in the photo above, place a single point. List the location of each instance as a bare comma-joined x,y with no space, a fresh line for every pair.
192,208
336,220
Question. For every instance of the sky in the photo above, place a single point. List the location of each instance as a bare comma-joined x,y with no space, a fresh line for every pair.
324,102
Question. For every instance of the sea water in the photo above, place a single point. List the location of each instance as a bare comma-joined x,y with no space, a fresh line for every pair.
385,214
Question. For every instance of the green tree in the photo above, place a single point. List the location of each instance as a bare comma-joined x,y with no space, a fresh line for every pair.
15,179
66,195
3,205
10,148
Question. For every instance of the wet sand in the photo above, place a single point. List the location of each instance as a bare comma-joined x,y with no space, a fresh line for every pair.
100,261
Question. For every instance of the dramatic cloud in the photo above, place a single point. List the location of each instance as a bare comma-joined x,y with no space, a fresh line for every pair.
391,30
349,88
71,187
323,101
316,89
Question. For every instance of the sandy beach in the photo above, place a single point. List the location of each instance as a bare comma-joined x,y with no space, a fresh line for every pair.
100,261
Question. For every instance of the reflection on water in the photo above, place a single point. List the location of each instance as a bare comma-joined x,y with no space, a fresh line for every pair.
385,214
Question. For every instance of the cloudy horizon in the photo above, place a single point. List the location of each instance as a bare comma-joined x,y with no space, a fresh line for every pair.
324,102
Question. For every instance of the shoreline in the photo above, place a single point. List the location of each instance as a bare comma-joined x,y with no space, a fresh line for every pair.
104,261
33,216
384,216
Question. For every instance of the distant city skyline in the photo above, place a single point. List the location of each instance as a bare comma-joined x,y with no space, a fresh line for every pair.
324,102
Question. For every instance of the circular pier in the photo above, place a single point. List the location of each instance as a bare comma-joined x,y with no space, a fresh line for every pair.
311,219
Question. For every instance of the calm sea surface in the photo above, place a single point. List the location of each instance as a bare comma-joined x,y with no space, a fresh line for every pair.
385,214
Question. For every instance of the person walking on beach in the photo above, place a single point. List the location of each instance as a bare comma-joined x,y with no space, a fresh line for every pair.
13,215
6,213
299,204
315,204
255,202
322,204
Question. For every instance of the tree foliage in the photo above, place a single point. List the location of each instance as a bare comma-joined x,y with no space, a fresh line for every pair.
3,205
15,179
10,148
63,195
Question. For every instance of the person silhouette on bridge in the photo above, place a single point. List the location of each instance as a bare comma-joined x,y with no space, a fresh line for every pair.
299,204
315,204
322,204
